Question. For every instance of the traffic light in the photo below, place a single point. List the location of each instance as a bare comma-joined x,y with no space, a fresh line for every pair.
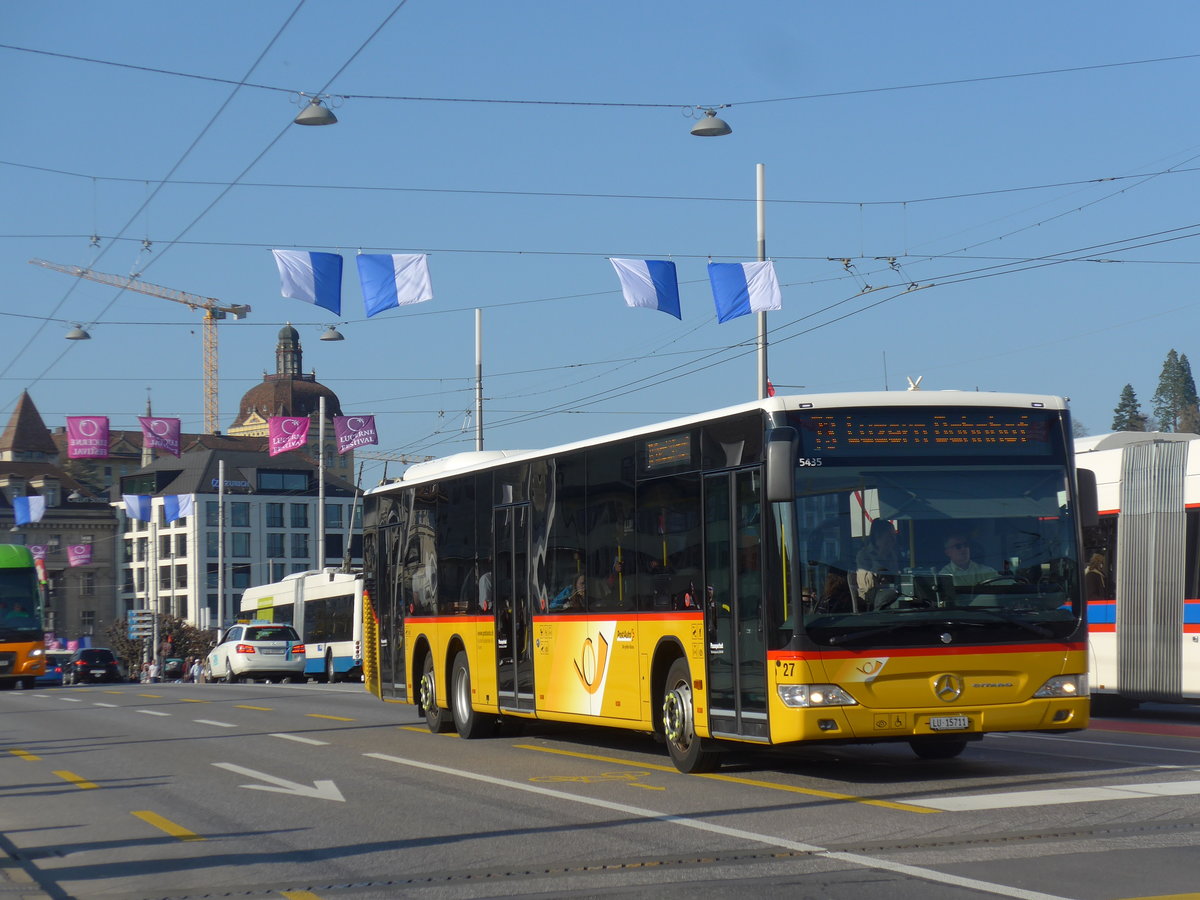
141,623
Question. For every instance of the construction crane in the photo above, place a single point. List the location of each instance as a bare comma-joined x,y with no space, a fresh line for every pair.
214,311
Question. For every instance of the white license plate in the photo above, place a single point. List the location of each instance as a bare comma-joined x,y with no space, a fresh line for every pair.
273,651
949,723
97,671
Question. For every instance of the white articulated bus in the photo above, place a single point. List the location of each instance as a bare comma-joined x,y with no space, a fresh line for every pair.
326,609
1143,572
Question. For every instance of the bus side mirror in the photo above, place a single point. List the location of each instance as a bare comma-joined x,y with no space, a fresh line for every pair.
783,444
1089,503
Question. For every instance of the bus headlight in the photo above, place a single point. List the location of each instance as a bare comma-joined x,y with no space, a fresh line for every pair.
809,695
1065,686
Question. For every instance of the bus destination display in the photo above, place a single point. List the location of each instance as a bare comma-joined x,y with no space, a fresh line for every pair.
669,452
858,433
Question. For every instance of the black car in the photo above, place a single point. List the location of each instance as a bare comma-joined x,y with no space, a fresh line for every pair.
95,664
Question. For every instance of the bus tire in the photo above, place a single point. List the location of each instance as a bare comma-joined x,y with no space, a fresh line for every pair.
331,676
678,724
937,748
436,718
469,724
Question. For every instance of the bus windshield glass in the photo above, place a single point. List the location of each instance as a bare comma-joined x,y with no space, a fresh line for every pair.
899,554
19,618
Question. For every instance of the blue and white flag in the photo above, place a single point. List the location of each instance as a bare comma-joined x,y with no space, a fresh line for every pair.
312,277
28,509
649,283
742,288
178,506
175,506
137,506
394,279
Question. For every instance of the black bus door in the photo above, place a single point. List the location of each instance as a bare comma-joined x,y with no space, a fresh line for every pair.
513,608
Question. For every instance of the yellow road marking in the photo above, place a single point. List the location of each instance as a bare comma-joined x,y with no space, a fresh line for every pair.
155,696
335,718
300,895
114,692
152,818
24,754
259,708
193,700
733,779
76,780
1191,896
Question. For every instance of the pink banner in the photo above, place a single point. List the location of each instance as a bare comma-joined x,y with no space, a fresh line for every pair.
354,431
286,433
160,434
87,436
79,554
38,551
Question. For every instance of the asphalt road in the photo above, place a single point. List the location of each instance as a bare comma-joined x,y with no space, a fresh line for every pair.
312,791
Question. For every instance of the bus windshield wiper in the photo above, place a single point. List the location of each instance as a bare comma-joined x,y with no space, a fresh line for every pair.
995,615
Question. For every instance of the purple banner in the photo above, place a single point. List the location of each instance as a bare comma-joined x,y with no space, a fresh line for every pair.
38,551
160,434
79,554
87,436
354,431
286,433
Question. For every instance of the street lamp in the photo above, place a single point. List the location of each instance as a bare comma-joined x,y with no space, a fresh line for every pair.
711,125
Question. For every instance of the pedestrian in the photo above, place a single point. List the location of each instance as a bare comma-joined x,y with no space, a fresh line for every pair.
153,671
196,672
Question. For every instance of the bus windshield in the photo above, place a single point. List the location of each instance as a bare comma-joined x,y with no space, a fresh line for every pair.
19,618
897,554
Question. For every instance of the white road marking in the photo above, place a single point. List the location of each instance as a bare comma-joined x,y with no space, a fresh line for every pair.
106,705
302,740
870,862
151,712
320,790
1054,797
214,722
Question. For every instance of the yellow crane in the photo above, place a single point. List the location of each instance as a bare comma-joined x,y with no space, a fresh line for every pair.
214,310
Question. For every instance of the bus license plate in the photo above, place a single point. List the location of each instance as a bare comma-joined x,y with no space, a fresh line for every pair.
949,723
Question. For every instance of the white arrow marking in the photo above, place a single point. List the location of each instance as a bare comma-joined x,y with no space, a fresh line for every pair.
320,790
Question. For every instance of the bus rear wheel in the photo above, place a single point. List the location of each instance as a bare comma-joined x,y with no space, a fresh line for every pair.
331,675
678,724
436,718
937,748
469,724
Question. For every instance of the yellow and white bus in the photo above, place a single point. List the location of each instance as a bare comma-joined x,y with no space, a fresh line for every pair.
710,579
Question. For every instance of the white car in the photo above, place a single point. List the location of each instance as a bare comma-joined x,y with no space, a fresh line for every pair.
265,650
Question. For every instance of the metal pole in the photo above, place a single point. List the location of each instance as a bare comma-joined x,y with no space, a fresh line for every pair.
220,546
478,379
762,255
321,485
152,583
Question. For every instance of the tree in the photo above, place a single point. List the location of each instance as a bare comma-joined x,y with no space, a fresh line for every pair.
186,641
1128,415
1078,429
1176,391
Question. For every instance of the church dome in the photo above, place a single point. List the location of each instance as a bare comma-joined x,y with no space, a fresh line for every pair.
289,392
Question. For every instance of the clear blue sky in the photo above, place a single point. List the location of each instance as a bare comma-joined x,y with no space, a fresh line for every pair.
1041,277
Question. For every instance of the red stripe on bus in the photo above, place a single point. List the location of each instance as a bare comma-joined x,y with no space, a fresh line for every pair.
924,651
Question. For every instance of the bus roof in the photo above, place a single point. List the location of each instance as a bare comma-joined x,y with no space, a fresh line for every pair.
1117,439
15,556
481,459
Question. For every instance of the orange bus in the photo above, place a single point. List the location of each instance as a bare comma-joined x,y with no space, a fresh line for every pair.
22,638
829,568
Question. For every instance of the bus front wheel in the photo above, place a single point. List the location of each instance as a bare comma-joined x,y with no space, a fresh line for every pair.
678,724
436,718
469,724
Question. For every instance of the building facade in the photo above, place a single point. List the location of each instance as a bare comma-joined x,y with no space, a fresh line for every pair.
76,536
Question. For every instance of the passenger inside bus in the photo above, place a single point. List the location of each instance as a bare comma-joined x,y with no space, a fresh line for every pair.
571,598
